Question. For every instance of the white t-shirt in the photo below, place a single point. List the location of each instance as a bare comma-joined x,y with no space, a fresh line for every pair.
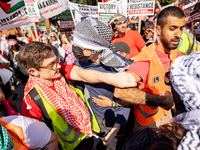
36,133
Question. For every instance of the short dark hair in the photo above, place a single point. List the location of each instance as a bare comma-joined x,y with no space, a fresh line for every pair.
32,55
131,26
11,36
169,11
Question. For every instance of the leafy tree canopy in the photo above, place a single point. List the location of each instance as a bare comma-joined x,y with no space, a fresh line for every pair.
166,2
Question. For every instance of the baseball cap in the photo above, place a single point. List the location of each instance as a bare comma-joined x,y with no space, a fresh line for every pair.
120,46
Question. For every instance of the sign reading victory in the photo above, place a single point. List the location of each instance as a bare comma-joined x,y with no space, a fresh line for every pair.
106,10
141,7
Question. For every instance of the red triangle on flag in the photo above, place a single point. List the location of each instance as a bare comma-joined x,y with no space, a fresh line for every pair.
5,6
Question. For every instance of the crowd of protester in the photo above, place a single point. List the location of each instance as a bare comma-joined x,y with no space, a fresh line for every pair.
143,86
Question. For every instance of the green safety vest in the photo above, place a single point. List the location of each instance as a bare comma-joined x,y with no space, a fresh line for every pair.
188,43
94,123
68,137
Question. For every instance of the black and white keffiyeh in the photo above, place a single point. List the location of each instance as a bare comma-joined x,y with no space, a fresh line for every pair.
185,78
92,34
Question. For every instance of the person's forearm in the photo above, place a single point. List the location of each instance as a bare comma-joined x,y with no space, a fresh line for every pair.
121,79
137,96
90,76
131,95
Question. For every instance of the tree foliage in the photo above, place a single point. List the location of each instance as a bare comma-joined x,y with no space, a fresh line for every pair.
85,2
166,2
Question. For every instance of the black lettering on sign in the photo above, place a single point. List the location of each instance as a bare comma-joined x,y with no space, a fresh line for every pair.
156,79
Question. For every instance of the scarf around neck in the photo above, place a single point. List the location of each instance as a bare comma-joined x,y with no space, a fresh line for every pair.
65,100
185,78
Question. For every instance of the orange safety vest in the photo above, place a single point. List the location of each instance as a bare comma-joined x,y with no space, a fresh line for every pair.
17,135
146,115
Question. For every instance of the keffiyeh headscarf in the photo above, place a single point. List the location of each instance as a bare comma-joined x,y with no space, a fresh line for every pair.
93,34
185,78
6,142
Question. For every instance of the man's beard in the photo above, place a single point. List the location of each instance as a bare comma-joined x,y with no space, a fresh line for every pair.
167,44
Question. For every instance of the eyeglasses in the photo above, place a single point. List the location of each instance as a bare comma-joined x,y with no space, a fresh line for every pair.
52,66
52,36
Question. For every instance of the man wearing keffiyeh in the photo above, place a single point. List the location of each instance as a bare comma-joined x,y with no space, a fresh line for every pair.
93,39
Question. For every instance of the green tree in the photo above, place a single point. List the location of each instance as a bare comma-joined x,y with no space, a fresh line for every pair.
85,2
166,2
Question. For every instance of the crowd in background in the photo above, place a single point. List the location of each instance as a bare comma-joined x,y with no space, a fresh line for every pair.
159,112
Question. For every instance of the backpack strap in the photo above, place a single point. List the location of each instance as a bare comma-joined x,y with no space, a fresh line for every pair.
38,101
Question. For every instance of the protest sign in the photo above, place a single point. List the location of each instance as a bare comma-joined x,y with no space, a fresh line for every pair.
91,11
141,7
106,10
33,11
14,13
66,20
66,24
191,9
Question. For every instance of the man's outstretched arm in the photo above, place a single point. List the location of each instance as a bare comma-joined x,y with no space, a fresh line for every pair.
136,96
121,79
133,96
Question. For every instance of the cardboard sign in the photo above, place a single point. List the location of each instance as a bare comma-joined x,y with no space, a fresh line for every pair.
141,7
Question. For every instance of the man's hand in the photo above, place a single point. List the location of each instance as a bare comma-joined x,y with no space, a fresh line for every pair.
103,101
122,80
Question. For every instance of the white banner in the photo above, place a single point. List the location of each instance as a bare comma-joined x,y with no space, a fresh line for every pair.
14,13
141,7
84,10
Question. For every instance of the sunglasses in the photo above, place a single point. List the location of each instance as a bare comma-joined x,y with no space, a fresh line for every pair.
52,36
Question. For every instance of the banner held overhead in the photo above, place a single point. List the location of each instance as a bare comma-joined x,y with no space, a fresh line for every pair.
14,12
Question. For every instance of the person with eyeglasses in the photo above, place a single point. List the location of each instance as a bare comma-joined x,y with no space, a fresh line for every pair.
43,66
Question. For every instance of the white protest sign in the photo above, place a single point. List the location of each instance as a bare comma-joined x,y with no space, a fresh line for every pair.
141,7
33,11
106,10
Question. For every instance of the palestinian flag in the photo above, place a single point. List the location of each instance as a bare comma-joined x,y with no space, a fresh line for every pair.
11,5
53,28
